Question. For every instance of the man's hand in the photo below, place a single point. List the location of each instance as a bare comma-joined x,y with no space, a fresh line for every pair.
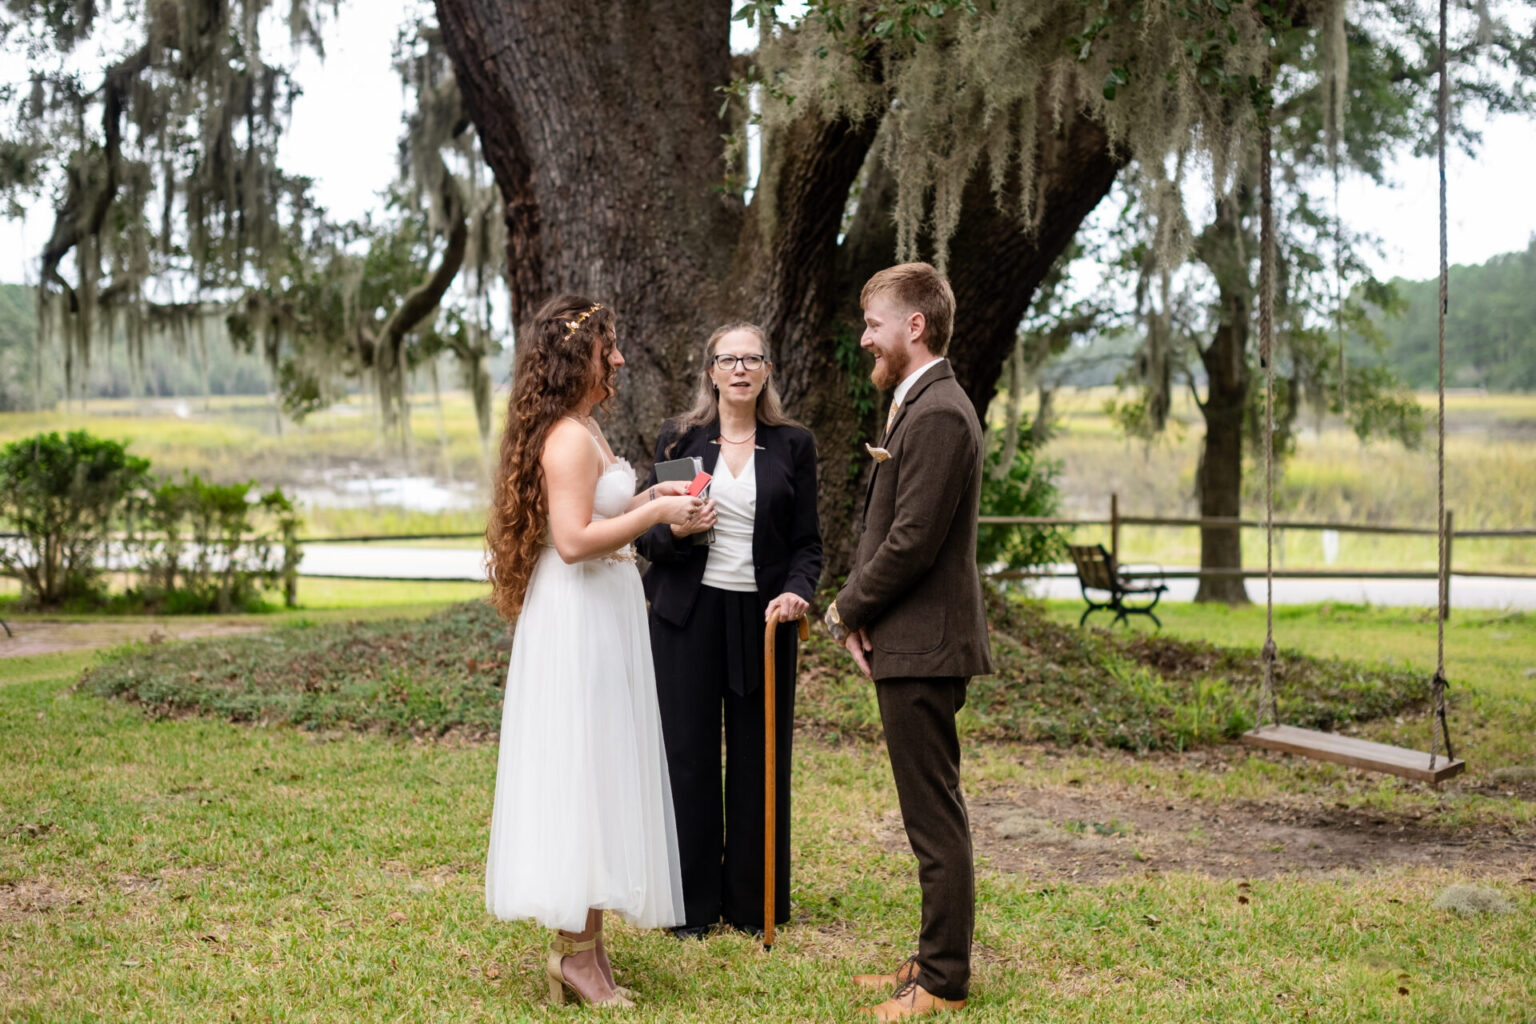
858,645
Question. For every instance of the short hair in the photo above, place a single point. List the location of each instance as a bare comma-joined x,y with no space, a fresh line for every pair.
922,289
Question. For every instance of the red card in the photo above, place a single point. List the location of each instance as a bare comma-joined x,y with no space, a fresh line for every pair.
699,483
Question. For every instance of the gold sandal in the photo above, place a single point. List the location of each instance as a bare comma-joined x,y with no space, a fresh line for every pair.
560,947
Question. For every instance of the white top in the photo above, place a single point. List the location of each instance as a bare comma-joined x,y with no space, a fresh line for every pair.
730,556
900,394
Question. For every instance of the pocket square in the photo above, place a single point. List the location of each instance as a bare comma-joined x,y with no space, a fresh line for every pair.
878,454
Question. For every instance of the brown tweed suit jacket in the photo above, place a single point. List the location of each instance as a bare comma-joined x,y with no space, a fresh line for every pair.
914,586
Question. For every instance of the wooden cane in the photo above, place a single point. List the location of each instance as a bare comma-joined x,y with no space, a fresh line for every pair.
770,767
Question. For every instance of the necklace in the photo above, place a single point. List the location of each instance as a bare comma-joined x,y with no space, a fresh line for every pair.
742,441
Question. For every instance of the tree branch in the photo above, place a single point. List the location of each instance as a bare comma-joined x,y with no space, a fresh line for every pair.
422,300
998,261
69,228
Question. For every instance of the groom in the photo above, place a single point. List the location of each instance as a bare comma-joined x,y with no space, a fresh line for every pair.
911,614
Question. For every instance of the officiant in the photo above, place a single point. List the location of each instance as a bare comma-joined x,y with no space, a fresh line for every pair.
712,586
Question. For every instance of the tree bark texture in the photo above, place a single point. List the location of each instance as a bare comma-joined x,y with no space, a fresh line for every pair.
601,120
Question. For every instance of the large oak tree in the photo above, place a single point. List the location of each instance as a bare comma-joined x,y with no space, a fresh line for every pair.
602,121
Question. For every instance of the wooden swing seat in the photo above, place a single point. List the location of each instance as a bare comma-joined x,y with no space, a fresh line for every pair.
1357,753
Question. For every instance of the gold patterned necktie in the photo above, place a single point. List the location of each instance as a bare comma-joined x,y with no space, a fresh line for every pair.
890,418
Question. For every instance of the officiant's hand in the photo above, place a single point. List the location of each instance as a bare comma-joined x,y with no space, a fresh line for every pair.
789,607
706,518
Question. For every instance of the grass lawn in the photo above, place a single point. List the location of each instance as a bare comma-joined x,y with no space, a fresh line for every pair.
190,869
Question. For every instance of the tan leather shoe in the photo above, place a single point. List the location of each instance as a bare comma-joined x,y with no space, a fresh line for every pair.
905,973
912,1000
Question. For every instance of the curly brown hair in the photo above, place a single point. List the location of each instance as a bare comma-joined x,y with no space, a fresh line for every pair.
553,375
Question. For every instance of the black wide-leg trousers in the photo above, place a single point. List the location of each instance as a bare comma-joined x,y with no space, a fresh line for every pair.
711,666
919,720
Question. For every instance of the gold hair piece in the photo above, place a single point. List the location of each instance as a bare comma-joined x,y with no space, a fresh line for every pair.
572,325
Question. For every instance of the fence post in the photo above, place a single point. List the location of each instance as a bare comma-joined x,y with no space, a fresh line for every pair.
1445,570
290,565
1114,526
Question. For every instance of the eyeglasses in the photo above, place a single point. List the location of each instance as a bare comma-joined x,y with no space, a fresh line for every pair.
728,362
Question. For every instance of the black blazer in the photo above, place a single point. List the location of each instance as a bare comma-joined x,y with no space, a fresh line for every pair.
786,535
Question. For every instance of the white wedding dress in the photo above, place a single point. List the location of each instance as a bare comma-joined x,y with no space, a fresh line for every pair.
583,814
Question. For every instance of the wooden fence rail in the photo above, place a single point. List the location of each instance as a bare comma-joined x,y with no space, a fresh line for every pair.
1114,522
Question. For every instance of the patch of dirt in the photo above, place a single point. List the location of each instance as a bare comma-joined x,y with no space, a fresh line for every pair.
24,898
1060,834
47,636
136,885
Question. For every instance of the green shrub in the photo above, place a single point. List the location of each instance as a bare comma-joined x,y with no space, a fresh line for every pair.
62,495
209,547
1027,488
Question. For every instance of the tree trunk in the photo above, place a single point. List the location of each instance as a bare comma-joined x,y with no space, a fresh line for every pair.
601,121
1219,483
1223,248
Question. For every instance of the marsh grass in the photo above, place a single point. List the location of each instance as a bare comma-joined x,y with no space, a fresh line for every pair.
236,439
1331,476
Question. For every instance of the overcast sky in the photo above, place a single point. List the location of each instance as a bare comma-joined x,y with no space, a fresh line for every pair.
345,127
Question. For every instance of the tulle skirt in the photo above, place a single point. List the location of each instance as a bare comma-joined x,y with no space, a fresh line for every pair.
583,813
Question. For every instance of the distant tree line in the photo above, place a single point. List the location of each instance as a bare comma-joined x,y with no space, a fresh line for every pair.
189,368
1490,326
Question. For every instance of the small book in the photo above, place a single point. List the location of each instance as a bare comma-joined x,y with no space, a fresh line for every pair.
687,469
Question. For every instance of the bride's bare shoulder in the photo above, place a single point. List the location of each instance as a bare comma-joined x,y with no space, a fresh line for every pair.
569,446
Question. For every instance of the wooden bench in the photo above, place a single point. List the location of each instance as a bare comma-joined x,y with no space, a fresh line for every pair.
1097,571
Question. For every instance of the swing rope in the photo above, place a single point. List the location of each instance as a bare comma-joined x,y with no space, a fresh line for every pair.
1310,743
1267,699
1438,684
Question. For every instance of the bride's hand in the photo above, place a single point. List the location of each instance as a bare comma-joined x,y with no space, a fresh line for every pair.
668,488
679,510
706,518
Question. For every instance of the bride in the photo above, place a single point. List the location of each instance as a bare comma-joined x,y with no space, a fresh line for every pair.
583,817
